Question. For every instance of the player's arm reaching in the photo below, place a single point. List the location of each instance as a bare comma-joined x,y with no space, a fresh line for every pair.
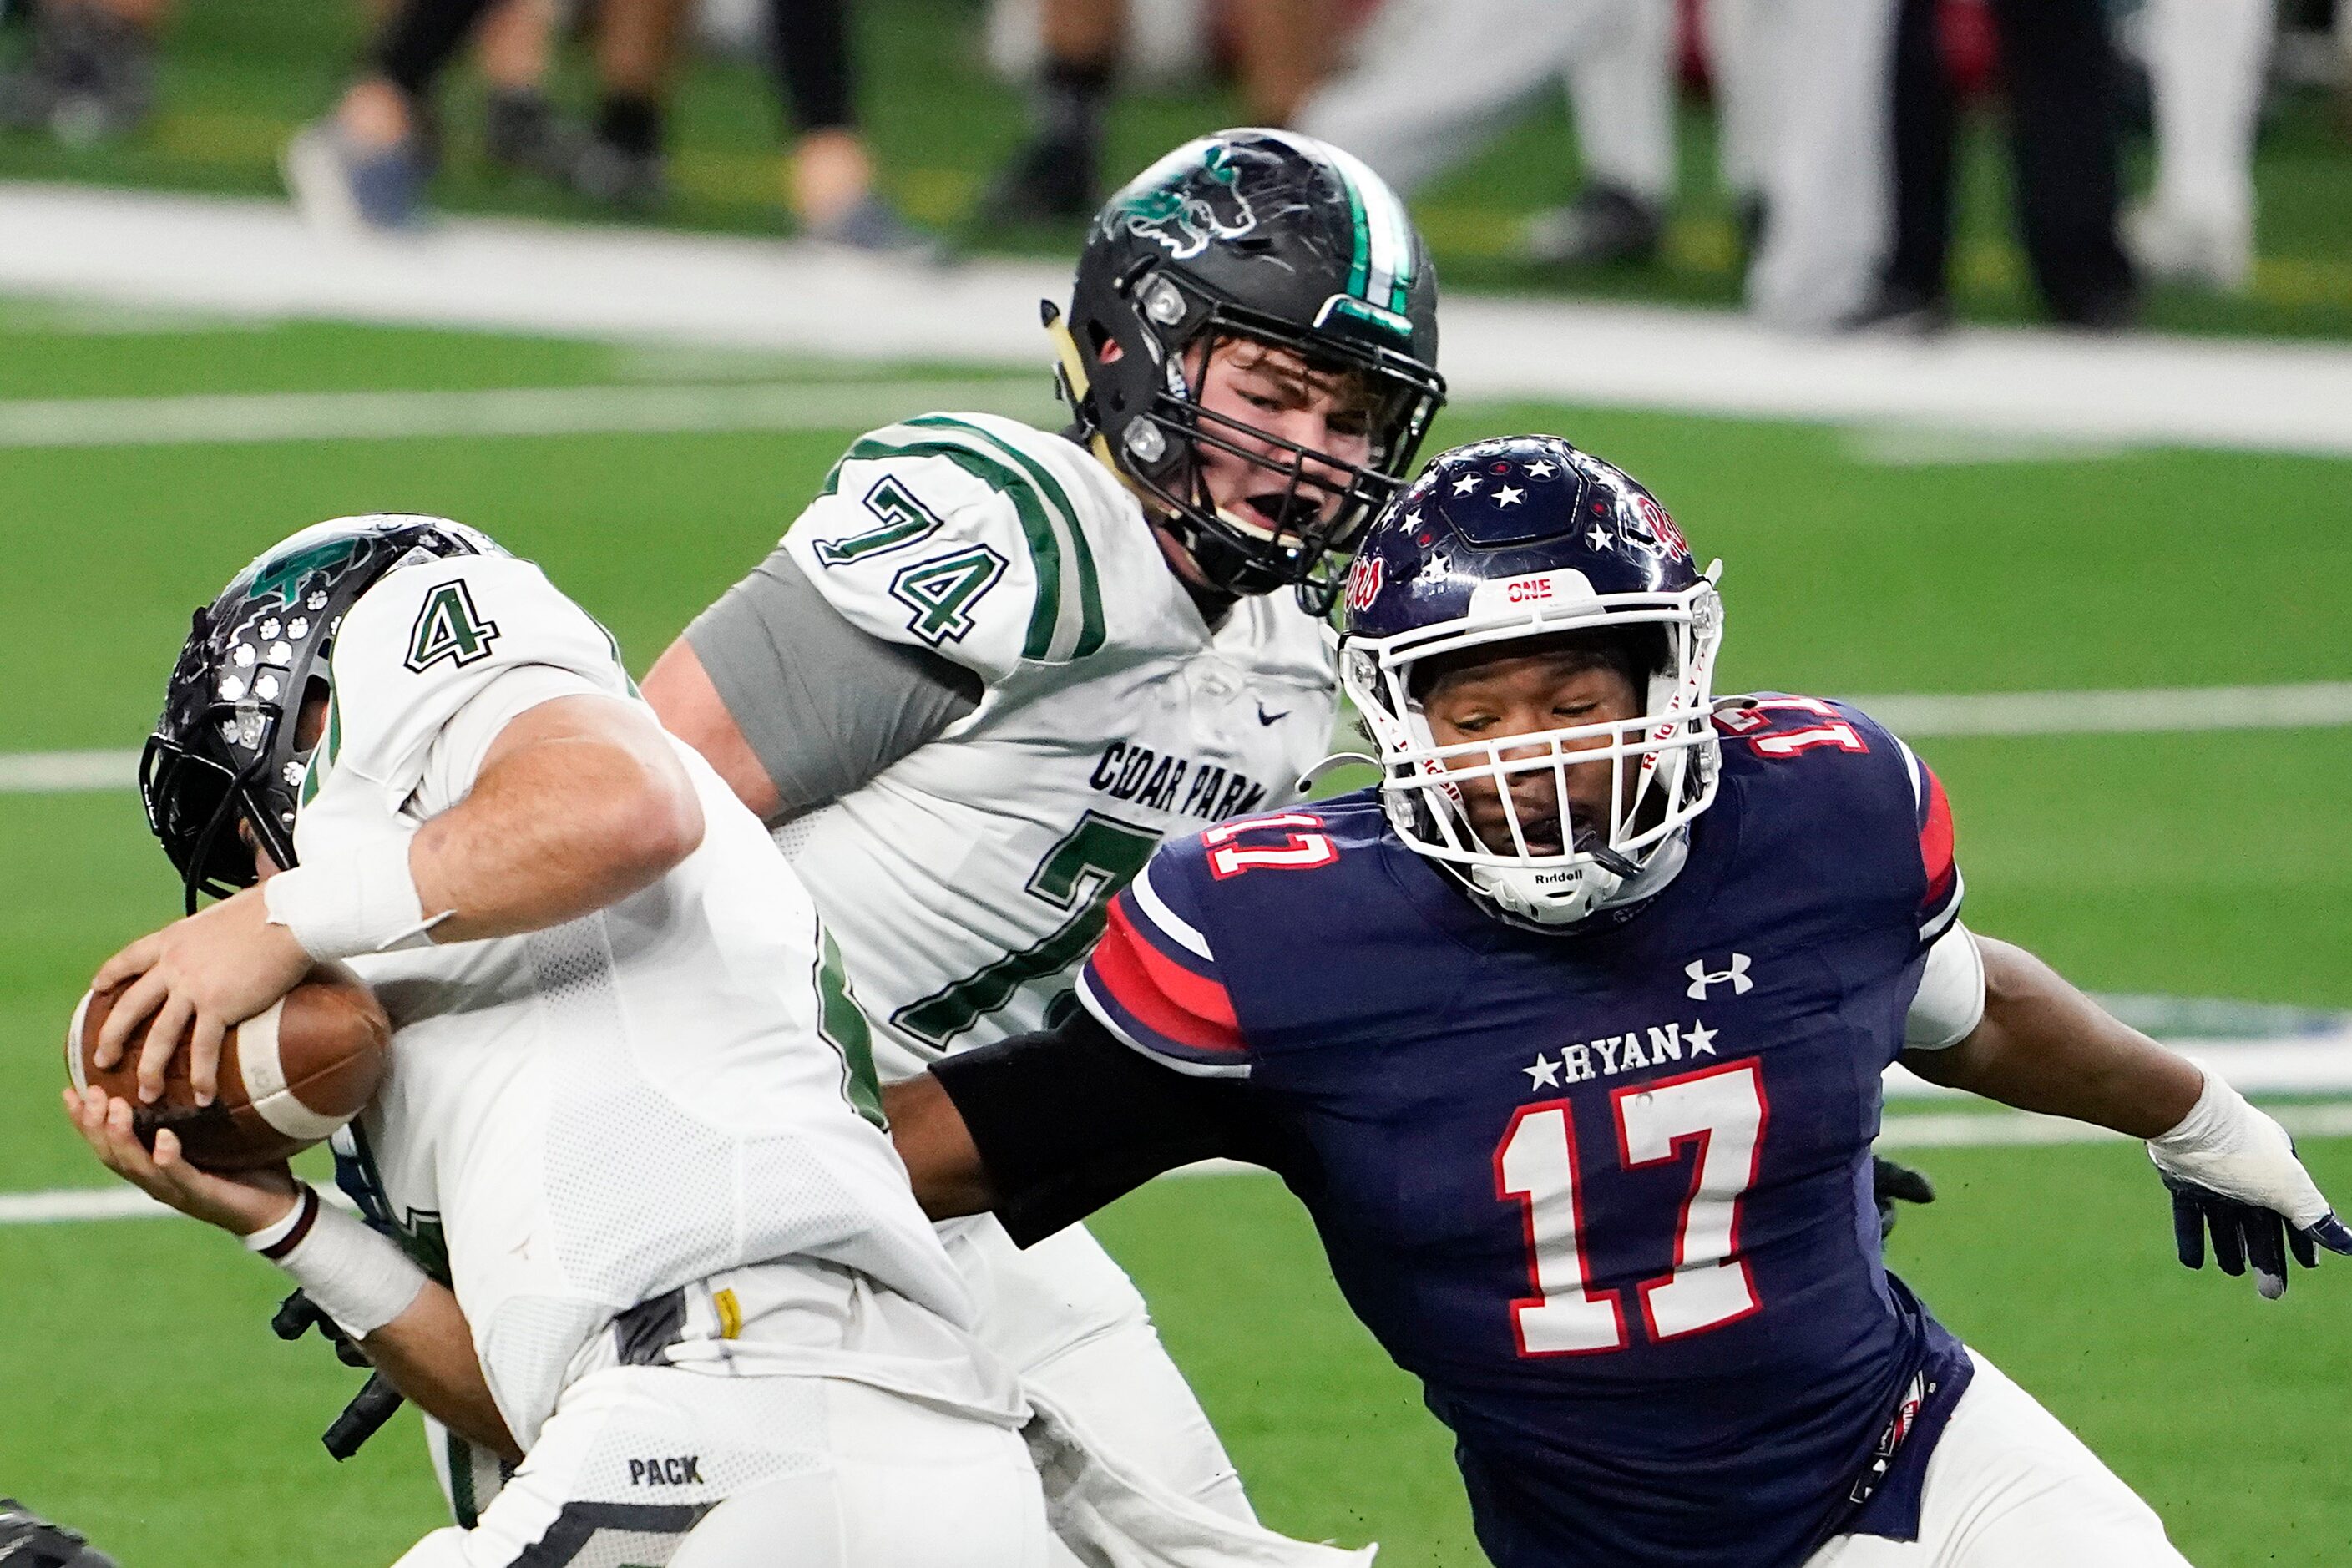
577,800
2043,1045
1149,1073
409,1325
1044,1129
909,585
1994,1020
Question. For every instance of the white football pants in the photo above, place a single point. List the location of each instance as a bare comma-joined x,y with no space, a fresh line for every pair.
1067,1320
1434,80
2206,60
1807,104
2008,1487
671,1468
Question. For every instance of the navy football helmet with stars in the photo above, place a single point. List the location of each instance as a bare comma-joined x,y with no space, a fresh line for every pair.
1497,544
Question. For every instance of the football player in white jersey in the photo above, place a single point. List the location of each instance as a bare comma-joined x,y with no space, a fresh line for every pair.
655,1245
990,667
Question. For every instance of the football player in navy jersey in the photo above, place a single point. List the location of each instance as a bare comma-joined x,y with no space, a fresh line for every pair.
1570,1034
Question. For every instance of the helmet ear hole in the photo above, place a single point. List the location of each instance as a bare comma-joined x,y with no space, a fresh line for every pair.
311,718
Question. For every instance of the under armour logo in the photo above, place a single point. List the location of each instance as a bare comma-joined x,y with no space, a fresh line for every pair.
1702,977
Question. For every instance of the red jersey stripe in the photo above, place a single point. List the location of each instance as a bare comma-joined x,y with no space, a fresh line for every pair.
1936,835
1118,971
1196,993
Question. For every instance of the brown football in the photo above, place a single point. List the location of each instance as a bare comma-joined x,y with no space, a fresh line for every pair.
289,1077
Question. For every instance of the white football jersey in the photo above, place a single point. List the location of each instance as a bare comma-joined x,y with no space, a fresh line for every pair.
966,881
673,1091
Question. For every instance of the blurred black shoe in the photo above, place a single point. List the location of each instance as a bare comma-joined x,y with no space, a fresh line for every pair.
1749,216
1896,311
1051,178
1605,226
342,188
28,1540
523,133
872,226
2115,311
613,176
90,75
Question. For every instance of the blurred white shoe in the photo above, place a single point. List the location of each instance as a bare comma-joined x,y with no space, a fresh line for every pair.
343,188
2201,249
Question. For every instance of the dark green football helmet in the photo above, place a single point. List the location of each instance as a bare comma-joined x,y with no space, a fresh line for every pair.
1281,239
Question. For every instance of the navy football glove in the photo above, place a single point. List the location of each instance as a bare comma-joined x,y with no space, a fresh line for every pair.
2246,1233
1891,1182
2233,1175
28,1540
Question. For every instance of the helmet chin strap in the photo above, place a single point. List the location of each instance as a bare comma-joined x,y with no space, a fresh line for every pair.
1227,569
1599,889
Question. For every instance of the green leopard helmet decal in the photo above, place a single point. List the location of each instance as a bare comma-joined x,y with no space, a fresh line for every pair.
1186,200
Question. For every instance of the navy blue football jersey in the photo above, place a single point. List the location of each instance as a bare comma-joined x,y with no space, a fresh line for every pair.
1606,1193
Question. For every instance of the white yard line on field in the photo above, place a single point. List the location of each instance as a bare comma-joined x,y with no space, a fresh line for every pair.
65,773
62,1205
2312,704
504,412
254,259
2316,704
1960,1130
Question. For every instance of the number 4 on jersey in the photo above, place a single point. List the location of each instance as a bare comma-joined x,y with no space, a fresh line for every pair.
449,628
942,592
1722,1111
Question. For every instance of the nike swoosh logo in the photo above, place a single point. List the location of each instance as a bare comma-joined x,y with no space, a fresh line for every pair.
1265,718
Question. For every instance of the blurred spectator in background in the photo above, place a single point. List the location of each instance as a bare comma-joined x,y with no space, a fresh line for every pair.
1281,48
1801,85
523,130
2061,80
91,73
1434,80
1621,96
1804,83
828,169
366,165
2206,64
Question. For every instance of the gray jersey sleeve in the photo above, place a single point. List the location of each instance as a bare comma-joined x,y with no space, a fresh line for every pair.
823,705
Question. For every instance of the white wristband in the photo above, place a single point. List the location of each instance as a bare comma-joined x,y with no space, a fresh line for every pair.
2233,1148
361,902
358,1277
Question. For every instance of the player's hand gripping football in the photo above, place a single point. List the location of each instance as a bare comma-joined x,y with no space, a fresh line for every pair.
240,1204
2234,1175
199,976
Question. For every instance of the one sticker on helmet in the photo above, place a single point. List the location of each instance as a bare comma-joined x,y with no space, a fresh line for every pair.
1532,591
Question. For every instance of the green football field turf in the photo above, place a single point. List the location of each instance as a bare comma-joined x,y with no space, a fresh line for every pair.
140,1395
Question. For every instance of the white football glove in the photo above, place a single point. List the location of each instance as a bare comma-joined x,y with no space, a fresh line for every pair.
2232,1171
